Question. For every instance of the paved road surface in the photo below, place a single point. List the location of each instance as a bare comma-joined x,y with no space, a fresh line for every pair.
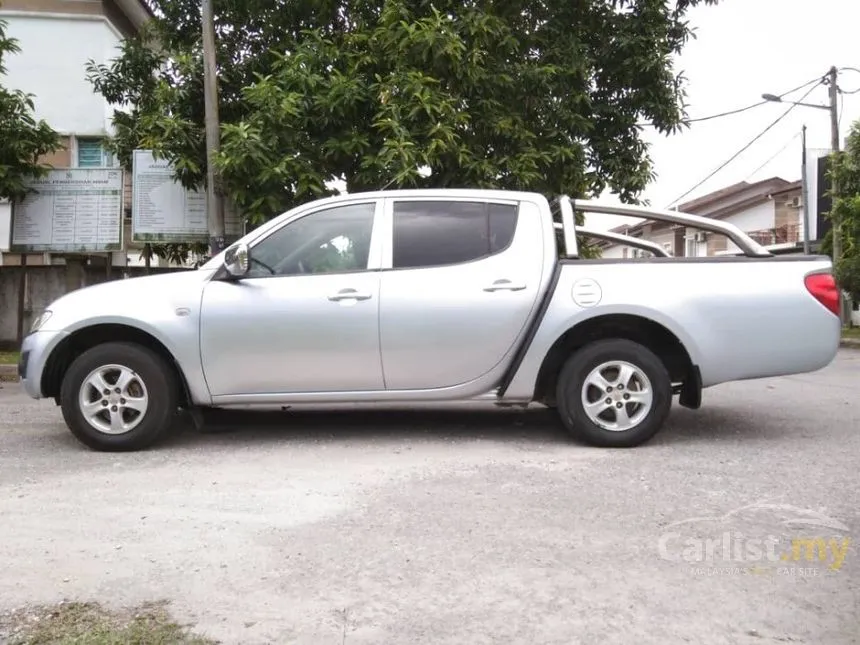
468,526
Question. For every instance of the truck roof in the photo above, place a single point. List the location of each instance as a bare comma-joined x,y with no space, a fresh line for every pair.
456,193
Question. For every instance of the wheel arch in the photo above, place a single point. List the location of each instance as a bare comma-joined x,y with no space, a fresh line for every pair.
89,336
637,328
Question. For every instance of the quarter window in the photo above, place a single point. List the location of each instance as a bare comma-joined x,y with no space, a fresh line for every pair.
334,240
436,233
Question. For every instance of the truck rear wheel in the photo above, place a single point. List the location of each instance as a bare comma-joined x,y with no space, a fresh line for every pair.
119,397
614,393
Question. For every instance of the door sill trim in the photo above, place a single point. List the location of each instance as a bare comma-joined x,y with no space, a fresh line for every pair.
374,396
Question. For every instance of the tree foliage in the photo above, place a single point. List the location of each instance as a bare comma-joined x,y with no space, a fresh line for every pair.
23,139
542,95
845,172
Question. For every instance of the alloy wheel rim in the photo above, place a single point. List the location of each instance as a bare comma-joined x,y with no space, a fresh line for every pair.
113,399
617,396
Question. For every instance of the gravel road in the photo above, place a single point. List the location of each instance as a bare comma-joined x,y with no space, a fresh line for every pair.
469,525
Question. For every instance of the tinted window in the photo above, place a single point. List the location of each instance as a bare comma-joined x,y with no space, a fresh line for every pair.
503,225
435,233
328,241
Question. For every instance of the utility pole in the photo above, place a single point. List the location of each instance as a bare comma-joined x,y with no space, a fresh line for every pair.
833,92
805,195
214,205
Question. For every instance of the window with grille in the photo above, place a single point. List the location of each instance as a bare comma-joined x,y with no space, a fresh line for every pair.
91,154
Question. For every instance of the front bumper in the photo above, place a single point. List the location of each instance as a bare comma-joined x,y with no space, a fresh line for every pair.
35,351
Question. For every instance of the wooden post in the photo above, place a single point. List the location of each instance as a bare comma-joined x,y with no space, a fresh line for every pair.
214,203
22,295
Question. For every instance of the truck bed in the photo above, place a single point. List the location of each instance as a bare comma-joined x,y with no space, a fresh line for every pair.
737,317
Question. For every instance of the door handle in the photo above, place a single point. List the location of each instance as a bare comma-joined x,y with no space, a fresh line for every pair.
349,294
505,285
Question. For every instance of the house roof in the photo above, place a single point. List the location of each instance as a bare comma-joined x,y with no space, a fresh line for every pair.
137,11
729,198
795,185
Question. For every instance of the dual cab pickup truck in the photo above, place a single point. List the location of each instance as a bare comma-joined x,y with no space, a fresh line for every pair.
429,296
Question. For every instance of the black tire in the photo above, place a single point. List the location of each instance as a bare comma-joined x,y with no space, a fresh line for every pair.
572,380
150,369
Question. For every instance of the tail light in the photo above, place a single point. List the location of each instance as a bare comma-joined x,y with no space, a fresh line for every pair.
823,288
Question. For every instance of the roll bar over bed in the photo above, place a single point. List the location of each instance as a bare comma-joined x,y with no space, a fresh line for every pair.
567,208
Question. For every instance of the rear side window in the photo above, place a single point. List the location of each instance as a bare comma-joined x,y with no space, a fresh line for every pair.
436,233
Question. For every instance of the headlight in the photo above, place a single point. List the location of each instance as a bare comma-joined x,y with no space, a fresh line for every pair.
40,321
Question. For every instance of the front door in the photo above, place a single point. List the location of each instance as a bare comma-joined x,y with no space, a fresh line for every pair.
306,318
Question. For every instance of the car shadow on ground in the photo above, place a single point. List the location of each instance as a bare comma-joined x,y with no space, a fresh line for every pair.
535,424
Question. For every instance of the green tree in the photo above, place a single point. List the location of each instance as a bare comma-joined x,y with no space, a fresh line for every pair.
543,95
845,172
23,139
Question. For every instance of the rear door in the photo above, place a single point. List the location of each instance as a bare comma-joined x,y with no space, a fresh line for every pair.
461,278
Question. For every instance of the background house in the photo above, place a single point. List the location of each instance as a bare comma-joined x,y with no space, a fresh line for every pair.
769,211
57,38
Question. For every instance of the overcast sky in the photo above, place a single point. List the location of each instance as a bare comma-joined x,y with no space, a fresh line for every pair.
745,48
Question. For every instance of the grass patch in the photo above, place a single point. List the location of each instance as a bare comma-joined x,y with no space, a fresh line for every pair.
77,623
10,358
851,332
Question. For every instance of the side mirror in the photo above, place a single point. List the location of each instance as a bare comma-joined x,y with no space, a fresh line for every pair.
236,260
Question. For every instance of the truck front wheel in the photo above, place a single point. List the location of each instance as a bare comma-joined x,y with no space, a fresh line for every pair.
119,397
614,393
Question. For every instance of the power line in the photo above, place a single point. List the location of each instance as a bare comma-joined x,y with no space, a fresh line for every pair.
774,156
713,116
739,152
850,69
719,115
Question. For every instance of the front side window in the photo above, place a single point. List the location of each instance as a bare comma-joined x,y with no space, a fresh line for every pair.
438,233
334,240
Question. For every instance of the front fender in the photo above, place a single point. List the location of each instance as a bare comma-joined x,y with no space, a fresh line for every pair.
179,337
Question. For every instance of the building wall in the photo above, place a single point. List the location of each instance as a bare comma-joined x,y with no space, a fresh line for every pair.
5,226
785,213
52,62
614,251
61,158
694,248
755,218
717,244
665,238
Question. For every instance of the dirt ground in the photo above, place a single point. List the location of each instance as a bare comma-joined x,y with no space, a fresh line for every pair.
471,525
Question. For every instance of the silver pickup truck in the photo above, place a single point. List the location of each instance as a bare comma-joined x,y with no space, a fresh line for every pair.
429,296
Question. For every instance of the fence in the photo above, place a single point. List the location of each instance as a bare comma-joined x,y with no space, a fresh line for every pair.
25,291
785,234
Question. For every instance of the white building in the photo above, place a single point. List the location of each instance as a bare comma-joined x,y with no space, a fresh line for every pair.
57,38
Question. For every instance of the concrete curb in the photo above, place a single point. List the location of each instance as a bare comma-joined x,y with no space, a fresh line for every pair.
8,372
853,343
